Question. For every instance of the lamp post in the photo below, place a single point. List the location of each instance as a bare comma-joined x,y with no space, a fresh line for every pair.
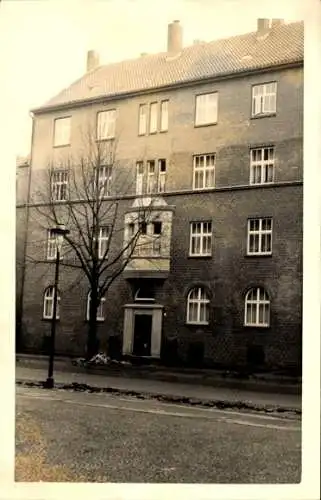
59,232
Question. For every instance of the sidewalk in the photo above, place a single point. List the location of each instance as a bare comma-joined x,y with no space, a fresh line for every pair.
169,391
264,382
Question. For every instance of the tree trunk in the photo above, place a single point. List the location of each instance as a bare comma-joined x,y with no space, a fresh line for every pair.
92,340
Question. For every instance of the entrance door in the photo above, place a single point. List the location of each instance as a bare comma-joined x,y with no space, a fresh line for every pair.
142,334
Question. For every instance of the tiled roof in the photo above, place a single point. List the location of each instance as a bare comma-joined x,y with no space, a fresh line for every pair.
283,44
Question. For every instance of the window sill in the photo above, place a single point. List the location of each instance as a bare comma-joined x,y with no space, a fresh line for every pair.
61,145
263,115
190,256
98,320
251,255
205,124
50,319
203,188
253,184
264,327
200,323
153,133
163,131
105,139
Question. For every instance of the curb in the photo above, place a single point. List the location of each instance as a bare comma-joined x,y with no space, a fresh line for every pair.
286,412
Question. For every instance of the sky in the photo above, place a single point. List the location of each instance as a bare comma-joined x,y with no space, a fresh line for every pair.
46,41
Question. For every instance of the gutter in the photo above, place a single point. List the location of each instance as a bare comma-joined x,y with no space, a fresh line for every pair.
172,86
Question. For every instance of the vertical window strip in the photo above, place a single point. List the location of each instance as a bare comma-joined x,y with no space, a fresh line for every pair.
142,127
164,116
153,117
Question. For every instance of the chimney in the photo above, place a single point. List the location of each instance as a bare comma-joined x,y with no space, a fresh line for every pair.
263,26
175,38
277,22
92,60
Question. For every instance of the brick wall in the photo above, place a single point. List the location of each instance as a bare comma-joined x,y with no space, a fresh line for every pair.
229,272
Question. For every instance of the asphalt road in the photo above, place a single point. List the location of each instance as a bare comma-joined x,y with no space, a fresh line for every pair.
67,436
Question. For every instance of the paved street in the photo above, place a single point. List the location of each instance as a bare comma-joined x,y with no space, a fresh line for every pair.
68,436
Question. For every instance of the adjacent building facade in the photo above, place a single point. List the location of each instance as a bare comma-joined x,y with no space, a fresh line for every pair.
212,134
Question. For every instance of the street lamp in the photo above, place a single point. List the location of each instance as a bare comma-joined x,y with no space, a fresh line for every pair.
59,232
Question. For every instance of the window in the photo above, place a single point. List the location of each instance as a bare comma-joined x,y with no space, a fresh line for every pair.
264,99
106,123
150,177
164,116
206,109
62,131
59,184
142,127
153,118
139,177
259,236
161,176
103,241
100,316
157,227
200,239
204,171
48,303
104,180
52,246
257,308
198,307
262,165
143,227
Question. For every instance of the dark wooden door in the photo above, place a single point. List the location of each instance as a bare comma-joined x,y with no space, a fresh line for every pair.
142,335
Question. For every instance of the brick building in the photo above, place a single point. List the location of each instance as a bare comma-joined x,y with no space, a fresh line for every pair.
212,133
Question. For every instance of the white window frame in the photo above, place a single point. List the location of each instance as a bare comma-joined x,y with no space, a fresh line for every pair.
100,316
204,174
206,109
264,99
161,185
62,129
201,231
261,234
59,185
153,117
52,246
140,169
106,124
104,180
259,169
49,298
259,299
103,237
151,177
142,119
164,115
201,299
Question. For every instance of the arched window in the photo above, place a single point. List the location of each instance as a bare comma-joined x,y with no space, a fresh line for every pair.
198,306
257,308
48,303
100,309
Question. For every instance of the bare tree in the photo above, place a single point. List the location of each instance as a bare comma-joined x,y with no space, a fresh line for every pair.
85,194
